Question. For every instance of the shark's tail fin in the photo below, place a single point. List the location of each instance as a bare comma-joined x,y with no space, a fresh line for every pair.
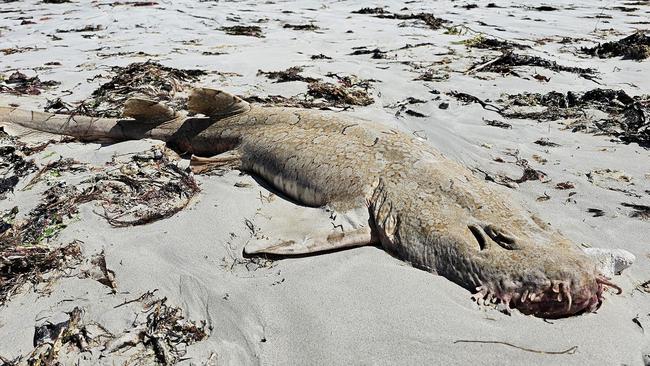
39,125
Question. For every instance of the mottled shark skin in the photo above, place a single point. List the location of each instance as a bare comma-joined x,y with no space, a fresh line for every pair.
415,203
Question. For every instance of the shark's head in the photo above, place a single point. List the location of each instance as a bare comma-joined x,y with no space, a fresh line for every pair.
550,281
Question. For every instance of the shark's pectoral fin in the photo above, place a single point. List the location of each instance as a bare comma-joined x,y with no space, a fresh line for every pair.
215,103
145,110
229,159
286,229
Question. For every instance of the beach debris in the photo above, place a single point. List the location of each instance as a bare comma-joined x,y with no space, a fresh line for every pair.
402,107
290,74
102,274
505,63
610,262
320,56
427,18
52,340
469,99
629,117
19,84
528,173
483,42
244,30
165,333
13,163
545,142
376,53
350,90
568,351
596,212
149,80
302,27
161,339
86,28
564,185
640,211
432,74
497,123
22,264
633,47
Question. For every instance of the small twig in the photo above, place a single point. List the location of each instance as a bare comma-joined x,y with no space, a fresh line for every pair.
142,297
568,351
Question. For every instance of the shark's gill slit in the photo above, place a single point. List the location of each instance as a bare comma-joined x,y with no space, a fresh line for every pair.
478,234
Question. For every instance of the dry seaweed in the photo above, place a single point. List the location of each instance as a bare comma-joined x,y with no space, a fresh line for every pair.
628,116
18,83
20,265
376,53
482,42
140,79
290,74
350,90
13,163
320,56
244,30
303,27
496,123
504,64
640,211
87,28
633,47
161,339
427,18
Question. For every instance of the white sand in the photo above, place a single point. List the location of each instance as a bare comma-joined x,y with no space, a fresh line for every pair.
358,306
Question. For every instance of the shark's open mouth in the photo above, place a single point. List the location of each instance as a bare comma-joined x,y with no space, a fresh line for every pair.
554,300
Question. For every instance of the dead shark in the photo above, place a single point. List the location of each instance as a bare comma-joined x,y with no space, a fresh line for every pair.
369,185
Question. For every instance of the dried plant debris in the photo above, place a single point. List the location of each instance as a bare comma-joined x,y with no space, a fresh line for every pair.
244,30
290,74
140,79
403,107
633,47
483,42
628,117
160,339
348,90
504,64
640,211
320,56
303,27
497,123
375,53
13,163
87,28
19,84
427,18
23,264
147,188
528,174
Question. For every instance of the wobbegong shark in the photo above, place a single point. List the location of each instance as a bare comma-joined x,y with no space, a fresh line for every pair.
368,185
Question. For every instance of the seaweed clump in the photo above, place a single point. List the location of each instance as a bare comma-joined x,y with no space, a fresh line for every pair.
349,90
507,60
628,117
20,84
428,19
13,163
290,74
140,79
244,30
632,47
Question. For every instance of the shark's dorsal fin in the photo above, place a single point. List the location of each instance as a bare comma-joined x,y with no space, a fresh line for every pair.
216,103
147,110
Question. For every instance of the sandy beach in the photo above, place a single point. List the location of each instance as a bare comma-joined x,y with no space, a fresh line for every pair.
184,278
